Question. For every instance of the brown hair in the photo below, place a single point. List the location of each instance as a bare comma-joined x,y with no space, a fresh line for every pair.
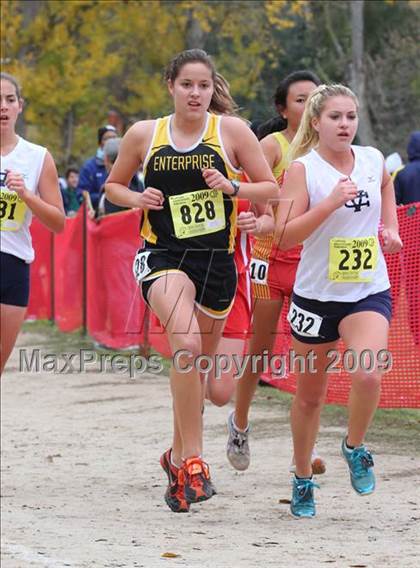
221,101
13,80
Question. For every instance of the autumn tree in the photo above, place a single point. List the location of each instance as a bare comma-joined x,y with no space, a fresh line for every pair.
79,58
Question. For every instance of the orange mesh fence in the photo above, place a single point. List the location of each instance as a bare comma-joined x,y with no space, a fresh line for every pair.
115,310
68,275
41,302
401,385
101,294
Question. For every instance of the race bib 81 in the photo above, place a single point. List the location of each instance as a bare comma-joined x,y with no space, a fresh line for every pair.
12,210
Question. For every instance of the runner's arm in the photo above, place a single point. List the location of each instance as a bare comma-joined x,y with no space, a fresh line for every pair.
295,222
392,240
48,205
246,153
129,159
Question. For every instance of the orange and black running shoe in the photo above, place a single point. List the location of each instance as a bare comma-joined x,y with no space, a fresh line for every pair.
174,494
194,475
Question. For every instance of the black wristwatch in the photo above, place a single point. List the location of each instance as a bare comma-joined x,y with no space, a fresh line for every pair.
235,184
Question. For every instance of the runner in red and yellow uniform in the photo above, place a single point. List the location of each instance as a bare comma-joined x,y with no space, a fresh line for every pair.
272,271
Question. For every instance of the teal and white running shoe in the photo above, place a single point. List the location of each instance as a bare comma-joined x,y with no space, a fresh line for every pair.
360,464
303,504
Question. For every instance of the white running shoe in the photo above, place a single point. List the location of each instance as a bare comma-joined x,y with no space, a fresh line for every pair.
237,448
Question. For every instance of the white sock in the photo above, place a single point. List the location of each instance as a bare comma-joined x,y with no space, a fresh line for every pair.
172,462
239,429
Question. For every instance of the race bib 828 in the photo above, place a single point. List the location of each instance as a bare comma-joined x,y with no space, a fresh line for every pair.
197,213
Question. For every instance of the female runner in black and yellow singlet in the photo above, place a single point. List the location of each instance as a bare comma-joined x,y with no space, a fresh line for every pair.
186,269
195,231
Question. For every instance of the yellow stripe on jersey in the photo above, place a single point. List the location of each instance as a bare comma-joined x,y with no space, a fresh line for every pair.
263,245
146,229
284,162
233,225
261,291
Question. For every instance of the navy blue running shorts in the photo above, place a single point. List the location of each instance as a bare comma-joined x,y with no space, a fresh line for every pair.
14,278
312,321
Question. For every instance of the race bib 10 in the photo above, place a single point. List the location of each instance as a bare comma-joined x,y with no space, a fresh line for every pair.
353,260
258,270
197,213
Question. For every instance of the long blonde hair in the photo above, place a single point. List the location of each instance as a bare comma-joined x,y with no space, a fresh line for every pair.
307,137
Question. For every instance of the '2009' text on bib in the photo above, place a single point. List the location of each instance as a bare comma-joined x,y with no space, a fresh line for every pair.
12,211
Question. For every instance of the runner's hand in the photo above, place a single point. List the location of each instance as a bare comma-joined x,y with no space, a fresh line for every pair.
247,222
15,182
216,180
344,191
392,241
151,198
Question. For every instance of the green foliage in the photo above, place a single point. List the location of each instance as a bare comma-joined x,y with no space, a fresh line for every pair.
78,59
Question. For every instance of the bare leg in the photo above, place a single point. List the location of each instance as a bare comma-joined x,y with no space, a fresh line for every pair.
307,404
364,331
11,321
221,388
264,328
172,299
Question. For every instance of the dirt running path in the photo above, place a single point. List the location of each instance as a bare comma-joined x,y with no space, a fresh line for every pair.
82,486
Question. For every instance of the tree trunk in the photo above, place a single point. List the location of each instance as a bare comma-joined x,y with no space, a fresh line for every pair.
29,12
68,137
194,34
357,72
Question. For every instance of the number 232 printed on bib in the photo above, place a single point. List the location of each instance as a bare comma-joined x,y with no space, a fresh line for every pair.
303,322
353,260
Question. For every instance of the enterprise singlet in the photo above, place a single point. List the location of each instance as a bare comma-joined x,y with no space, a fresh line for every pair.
193,215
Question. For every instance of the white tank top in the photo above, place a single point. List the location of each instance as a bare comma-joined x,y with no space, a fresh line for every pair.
15,217
342,260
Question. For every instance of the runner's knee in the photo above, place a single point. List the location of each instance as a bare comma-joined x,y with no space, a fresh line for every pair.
186,347
367,381
309,403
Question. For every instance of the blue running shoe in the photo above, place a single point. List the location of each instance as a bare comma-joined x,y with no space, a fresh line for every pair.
360,464
303,504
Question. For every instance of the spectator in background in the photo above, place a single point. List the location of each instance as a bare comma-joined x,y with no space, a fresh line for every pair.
407,180
71,198
111,149
93,173
393,164
407,191
115,119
